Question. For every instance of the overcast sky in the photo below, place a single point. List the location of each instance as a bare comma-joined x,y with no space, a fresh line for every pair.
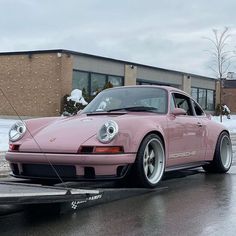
168,34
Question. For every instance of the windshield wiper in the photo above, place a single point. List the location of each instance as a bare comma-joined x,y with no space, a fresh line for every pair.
137,108
96,113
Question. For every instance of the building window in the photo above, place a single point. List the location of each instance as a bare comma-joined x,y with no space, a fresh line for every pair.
210,100
202,98
205,97
98,82
93,82
80,80
195,94
115,80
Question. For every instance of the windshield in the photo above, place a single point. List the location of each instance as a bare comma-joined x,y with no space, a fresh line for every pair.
131,99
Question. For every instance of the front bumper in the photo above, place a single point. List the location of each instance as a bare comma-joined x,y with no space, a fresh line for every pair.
69,166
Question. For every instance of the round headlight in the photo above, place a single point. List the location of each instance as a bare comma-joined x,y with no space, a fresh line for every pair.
108,132
17,131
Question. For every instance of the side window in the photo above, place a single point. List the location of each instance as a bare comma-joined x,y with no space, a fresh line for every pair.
182,101
198,109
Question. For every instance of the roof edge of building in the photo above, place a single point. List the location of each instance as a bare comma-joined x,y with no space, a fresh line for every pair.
100,57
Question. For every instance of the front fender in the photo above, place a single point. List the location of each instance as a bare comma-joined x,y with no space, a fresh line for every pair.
132,133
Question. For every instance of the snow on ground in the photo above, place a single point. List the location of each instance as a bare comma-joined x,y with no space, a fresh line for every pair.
5,125
229,123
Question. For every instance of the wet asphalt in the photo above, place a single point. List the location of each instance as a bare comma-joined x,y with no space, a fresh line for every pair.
192,203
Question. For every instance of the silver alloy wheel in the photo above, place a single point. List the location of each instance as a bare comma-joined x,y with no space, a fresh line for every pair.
226,151
154,161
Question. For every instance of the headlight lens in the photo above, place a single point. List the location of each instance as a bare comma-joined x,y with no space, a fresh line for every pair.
108,132
17,131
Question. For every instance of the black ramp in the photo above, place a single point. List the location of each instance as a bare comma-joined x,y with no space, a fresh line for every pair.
66,196
20,193
106,195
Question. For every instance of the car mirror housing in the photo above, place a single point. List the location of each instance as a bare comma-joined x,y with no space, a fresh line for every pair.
178,112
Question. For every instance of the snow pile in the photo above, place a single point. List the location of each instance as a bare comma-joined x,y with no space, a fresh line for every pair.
226,109
76,96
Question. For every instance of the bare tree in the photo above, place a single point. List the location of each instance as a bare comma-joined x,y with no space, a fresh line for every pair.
221,57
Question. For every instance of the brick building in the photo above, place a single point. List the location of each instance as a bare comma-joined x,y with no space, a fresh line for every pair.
35,81
229,94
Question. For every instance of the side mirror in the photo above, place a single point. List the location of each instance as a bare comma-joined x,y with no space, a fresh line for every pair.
178,112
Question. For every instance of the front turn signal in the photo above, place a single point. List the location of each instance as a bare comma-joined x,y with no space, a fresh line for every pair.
14,147
108,150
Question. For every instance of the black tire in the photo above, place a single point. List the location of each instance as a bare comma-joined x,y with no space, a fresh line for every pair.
150,162
222,157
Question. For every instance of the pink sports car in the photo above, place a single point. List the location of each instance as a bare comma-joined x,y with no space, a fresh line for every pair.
136,131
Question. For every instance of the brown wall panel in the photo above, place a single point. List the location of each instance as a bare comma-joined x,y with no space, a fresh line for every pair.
34,83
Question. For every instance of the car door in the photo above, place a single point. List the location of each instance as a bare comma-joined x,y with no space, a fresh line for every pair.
184,132
201,116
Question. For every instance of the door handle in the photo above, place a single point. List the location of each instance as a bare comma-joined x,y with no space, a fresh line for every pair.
199,124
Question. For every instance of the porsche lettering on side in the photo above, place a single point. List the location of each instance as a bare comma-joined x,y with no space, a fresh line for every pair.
136,132
183,154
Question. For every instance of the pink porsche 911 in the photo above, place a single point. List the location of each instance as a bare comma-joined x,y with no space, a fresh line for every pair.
138,131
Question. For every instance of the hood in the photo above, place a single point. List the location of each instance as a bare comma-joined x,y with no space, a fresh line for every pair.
64,135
